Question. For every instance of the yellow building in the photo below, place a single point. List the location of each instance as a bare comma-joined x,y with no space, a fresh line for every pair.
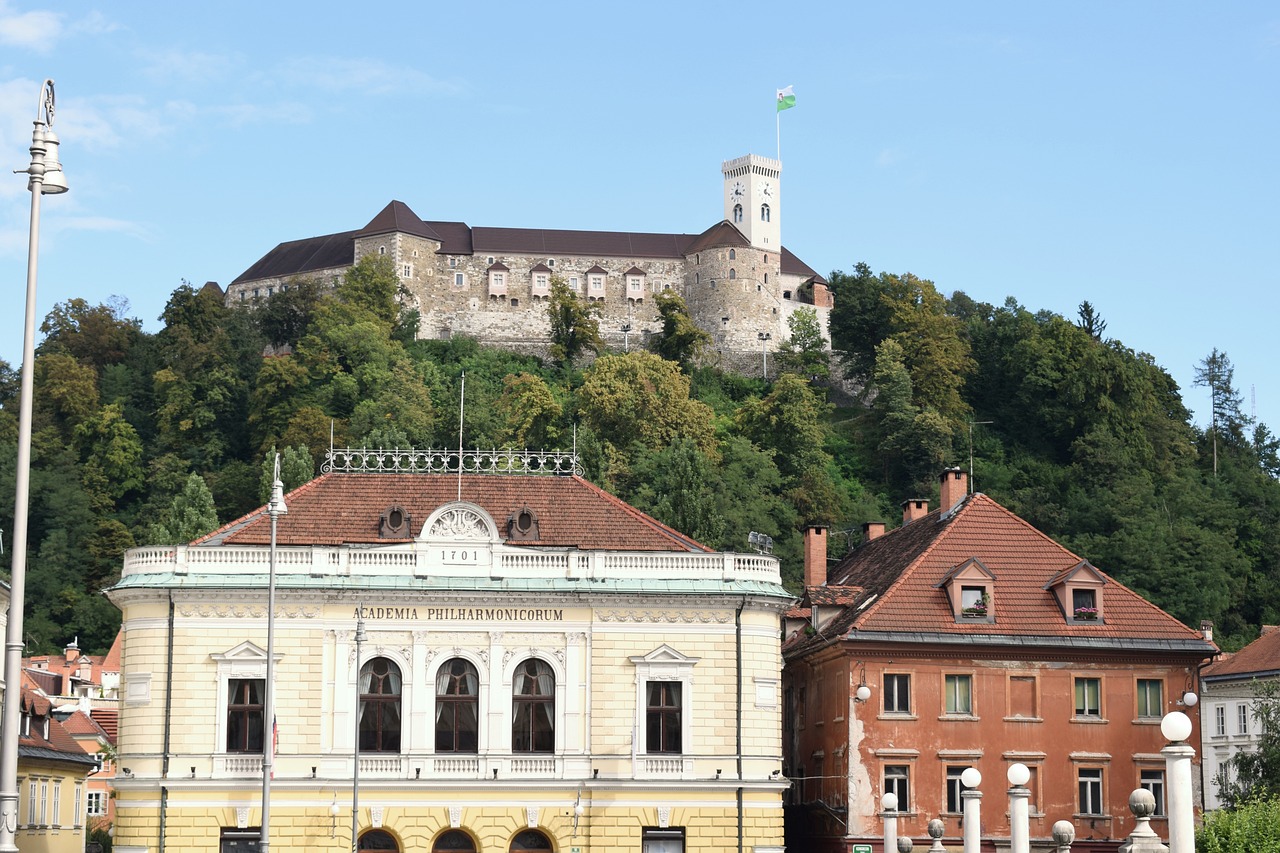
52,772
529,662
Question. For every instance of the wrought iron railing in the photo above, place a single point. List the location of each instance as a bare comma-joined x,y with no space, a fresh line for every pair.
373,460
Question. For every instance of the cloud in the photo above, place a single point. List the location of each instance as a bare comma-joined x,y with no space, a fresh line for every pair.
368,75
103,224
36,31
187,65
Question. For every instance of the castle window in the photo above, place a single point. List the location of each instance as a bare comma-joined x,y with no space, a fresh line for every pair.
733,255
574,285
541,284
764,213
766,278
696,279
453,263
406,271
242,296
382,250
459,279
596,284
551,262
733,273
737,213
515,303
271,291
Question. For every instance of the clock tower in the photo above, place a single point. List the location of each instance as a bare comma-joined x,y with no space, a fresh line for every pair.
752,199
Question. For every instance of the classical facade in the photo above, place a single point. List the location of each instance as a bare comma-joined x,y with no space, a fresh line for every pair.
511,661
1229,694
740,282
967,638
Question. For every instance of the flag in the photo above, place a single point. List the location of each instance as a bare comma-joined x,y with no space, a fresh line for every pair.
275,742
786,99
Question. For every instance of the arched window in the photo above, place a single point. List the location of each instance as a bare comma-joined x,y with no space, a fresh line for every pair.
530,839
377,839
533,712
737,213
733,255
764,213
454,840
766,278
733,273
380,707
457,708
697,279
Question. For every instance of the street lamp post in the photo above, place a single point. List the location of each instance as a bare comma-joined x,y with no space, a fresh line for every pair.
44,178
764,338
275,508
971,798
1019,819
355,765
1176,726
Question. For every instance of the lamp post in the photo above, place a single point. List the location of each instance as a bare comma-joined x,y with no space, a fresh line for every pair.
275,508
1019,819
764,338
1176,726
355,765
889,805
44,178
971,797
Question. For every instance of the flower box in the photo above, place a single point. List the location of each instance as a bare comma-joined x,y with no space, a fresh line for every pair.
974,612
1086,614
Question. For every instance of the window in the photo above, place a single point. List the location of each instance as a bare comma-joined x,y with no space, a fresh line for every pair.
662,841
1090,780
533,713
97,803
541,284
737,213
57,804
382,250
1150,697
459,279
662,717
377,839
453,263
897,778
1242,719
959,694
733,255
77,814
406,270
454,841
31,803
573,284
1153,781
897,694
244,714
457,707
1088,697
271,291
597,283
240,840
530,839
380,706
955,803
733,273
1084,604
764,213
44,802
1220,720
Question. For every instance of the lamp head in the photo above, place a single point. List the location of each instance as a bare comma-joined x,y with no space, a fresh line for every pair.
1190,699
863,693
1019,775
889,802
971,777
1176,726
54,182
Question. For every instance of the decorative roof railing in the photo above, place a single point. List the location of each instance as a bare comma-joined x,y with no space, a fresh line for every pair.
373,460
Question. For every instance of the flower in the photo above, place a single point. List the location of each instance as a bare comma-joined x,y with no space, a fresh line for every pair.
1086,613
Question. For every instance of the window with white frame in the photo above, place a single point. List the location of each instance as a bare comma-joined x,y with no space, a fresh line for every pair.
1153,781
459,279
959,694
1220,720
457,707
406,270
1090,784
97,804
1242,719
897,781
1088,697
541,284
574,284
737,213
77,813
453,263
55,814
32,787
595,286
635,287
380,693
764,213
242,674
662,841
897,694
44,802
664,695
533,713
663,711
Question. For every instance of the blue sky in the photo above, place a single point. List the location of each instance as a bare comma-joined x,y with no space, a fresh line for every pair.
1119,153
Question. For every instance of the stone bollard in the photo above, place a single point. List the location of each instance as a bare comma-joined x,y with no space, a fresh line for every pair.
1143,839
1064,833
936,830
905,845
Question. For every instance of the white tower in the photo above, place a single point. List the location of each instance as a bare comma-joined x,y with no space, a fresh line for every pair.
753,199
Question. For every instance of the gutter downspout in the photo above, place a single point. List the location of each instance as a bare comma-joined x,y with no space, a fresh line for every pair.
737,632
168,725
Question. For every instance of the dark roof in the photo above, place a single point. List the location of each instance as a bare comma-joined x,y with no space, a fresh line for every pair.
611,244
336,509
59,745
397,218
791,265
898,574
1259,658
300,257
723,233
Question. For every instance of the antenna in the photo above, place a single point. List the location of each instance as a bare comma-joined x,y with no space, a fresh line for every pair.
331,438
462,403
1253,402
972,424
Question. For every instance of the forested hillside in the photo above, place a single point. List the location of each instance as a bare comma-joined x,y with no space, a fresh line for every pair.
155,439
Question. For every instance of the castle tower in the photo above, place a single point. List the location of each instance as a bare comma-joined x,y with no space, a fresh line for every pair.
753,199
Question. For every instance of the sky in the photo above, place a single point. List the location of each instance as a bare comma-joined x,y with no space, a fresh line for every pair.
1120,153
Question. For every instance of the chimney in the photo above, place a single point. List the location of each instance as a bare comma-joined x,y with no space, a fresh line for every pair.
872,530
73,650
1206,629
913,509
815,555
952,487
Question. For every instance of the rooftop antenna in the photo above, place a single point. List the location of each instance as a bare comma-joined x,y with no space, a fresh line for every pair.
331,438
972,424
1253,402
462,403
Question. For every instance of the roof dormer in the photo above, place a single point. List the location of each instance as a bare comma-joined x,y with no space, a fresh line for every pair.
970,589
1079,593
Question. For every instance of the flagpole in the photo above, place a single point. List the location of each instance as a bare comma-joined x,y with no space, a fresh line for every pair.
778,119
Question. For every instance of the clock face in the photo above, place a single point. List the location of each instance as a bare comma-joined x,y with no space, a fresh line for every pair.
737,192
766,190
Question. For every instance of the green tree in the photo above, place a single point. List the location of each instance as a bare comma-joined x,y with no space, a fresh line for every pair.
189,516
1251,775
296,468
528,409
805,350
642,398
112,454
914,441
95,335
575,324
677,488
284,317
1251,827
1091,321
790,423
372,285
681,340
1217,373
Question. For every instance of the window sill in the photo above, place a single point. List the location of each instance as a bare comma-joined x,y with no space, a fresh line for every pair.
1146,721
1024,719
959,718
1083,816
1090,721
896,715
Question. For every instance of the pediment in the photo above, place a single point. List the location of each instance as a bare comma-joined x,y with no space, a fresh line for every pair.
971,569
664,654
1082,572
246,652
460,521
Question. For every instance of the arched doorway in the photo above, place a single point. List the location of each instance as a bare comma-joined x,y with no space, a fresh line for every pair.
454,841
530,839
378,840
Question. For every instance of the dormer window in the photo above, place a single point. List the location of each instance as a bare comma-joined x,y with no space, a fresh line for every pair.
522,525
394,523
1079,593
970,587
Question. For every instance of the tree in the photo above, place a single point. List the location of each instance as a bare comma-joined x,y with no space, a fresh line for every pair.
790,423
112,454
1251,827
1252,775
1091,321
1216,373
640,397
296,468
95,335
575,325
681,340
805,351
528,410
372,285
284,317
189,516
677,489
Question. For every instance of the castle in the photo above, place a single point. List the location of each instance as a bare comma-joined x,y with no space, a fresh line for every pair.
739,281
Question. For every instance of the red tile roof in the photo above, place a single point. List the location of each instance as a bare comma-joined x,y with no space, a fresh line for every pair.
1261,657
108,719
899,573
341,508
59,743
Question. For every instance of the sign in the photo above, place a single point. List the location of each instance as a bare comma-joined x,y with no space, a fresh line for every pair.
862,848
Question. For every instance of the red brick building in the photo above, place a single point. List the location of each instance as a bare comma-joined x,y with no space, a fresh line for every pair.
980,642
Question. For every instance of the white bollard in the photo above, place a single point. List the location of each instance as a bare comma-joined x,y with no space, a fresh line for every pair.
971,797
1176,726
1019,818
889,803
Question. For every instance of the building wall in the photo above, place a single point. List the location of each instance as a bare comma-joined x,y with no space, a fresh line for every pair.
1239,732
50,822
1021,711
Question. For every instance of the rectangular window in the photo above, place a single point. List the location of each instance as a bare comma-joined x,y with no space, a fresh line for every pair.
897,781
1088,697
453,263
597,283
1150,697
97,803
662,841
1242,719
1220,720
897,694
406,271
1153,781
662,717
1022,697
240,840
76,813
244,714
44,802
459,279
955,803
1090,779
57,804
959,689
31,803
